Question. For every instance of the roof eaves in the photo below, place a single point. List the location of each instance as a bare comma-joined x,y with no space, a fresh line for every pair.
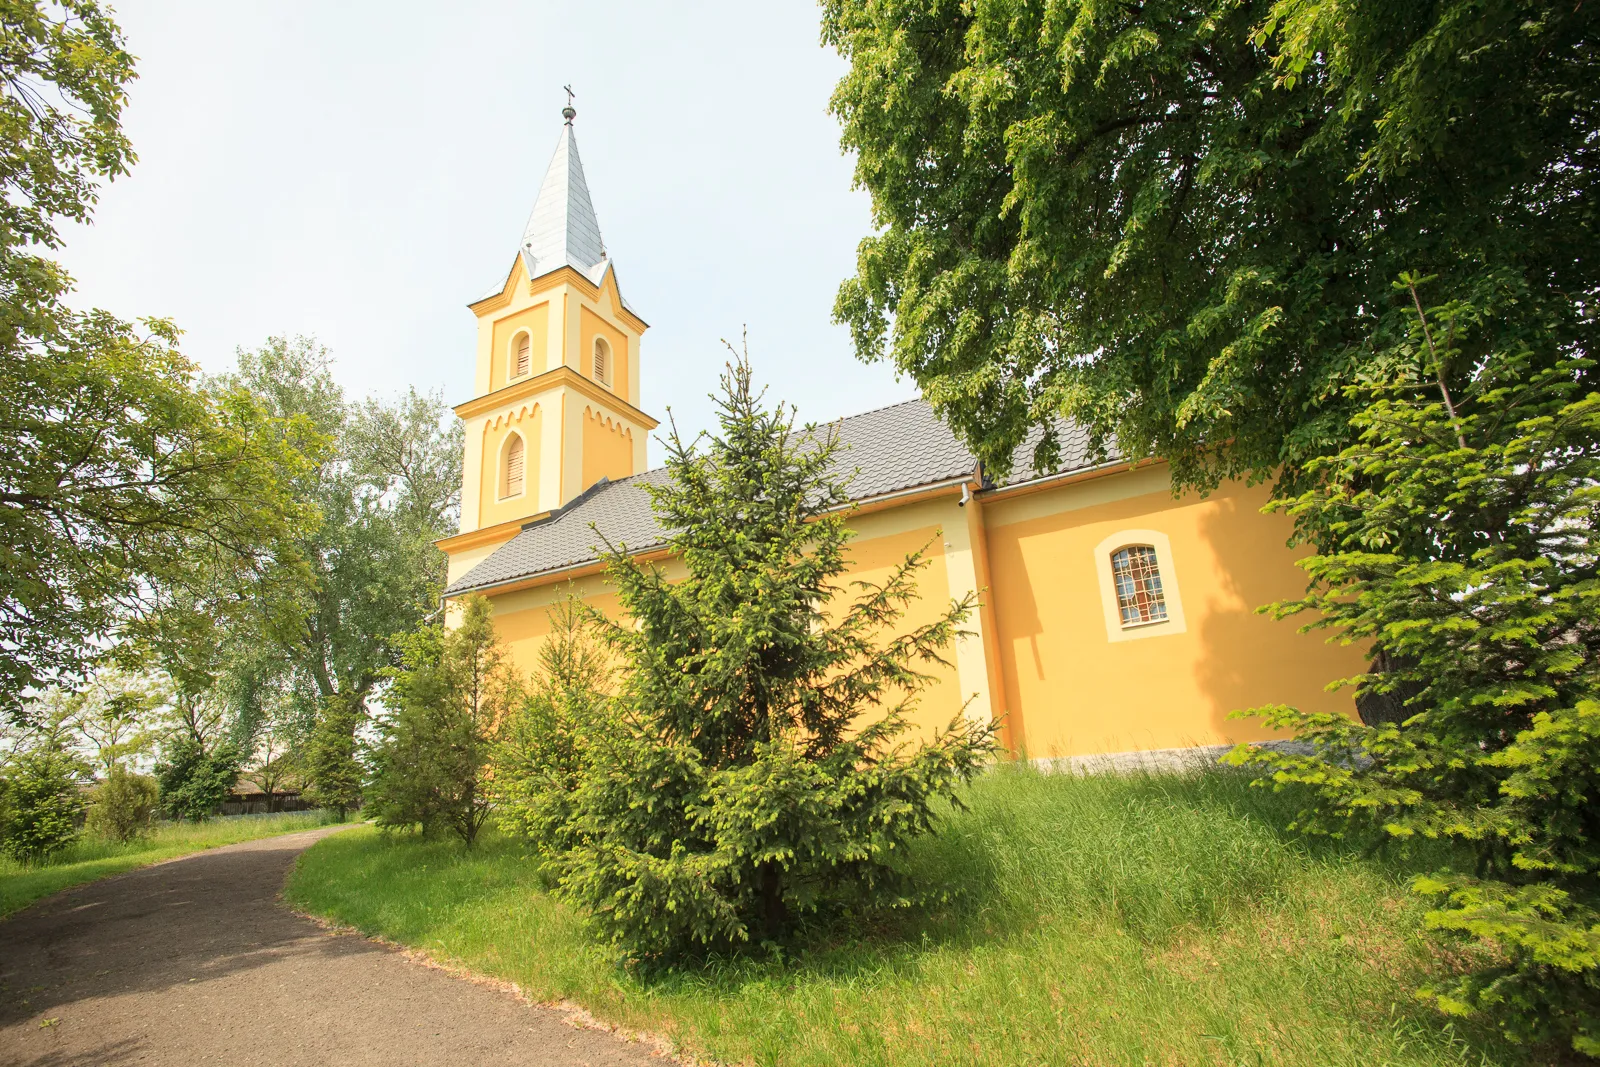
581,564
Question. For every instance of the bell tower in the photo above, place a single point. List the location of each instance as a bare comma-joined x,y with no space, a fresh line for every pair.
555,405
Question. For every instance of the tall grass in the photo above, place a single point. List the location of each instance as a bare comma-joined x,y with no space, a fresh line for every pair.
92,857
1157,919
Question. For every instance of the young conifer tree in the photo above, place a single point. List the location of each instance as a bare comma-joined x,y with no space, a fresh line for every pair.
757,769
450,693
543,749
1457,537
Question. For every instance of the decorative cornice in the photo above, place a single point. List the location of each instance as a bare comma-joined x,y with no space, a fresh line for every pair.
561,275
550,379
487,535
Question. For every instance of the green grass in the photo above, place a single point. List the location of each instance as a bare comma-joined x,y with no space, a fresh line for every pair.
89,858
1095,920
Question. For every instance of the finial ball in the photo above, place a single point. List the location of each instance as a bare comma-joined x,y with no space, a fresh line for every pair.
569,113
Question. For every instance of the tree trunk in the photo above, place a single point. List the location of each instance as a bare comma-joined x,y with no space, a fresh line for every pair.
774,915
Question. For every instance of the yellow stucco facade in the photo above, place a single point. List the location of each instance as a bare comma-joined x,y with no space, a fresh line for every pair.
575,428
1052,652
1046,653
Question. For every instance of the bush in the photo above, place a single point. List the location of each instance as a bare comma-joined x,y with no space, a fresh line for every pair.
1457,537
451,690
756,769
333,770
44,802
544,747
194,781
124,805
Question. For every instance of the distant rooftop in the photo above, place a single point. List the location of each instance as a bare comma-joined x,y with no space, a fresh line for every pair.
893,449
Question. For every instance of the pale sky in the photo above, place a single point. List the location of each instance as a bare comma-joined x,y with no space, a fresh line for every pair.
360,171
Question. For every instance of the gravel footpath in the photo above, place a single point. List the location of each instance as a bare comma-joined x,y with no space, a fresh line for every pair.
195,961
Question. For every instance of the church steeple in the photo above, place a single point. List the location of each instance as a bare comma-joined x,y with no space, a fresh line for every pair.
562,230
556,401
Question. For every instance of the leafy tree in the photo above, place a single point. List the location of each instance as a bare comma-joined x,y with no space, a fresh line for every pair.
123,805
1459,535
450,692
44,802
332,767
116,469
275,756
115,714
544,748
756,770
194,779
386,488
1178,221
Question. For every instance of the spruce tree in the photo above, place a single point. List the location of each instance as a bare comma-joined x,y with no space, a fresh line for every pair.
1459,536
333,770
756,769
450,693
543,749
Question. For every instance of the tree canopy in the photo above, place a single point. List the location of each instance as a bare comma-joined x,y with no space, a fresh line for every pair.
118,471
1180,221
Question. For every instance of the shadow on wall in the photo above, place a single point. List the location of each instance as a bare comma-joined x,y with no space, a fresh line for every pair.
1247,659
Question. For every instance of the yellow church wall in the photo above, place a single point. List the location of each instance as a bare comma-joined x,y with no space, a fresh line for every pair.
592,326
522,616
1076,684
492,507
607,448
535,321
884,539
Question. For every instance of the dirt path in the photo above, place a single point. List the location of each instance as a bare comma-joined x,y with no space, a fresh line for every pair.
196,962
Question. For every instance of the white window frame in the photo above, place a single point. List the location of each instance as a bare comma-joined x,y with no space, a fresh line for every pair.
1116,629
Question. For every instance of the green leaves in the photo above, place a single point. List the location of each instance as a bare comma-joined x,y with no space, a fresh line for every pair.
1180,222
450,692
752,769
1457,539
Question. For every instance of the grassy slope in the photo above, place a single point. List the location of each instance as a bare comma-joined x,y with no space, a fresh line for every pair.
91,858
1155,920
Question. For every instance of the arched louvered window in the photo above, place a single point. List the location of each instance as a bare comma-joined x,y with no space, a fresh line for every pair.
511,476
602,361
1137,577
522,357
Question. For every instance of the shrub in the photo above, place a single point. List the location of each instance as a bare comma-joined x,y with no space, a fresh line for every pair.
451,690
333,770
124,805
1457,537
544,747
756,770
44,802
194,780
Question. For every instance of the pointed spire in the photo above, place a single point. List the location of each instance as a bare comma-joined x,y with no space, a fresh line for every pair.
562,230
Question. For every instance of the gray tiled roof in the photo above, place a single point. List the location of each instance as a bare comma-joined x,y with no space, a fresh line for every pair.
896,448
1075,454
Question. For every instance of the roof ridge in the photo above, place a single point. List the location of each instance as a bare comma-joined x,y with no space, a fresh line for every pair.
841,418
874,411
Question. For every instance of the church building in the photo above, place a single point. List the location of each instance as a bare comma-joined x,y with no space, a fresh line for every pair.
1116,618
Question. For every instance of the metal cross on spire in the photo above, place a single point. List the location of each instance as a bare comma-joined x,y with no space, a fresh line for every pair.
569,112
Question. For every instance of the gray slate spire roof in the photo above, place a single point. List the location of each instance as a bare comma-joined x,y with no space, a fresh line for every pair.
562,230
